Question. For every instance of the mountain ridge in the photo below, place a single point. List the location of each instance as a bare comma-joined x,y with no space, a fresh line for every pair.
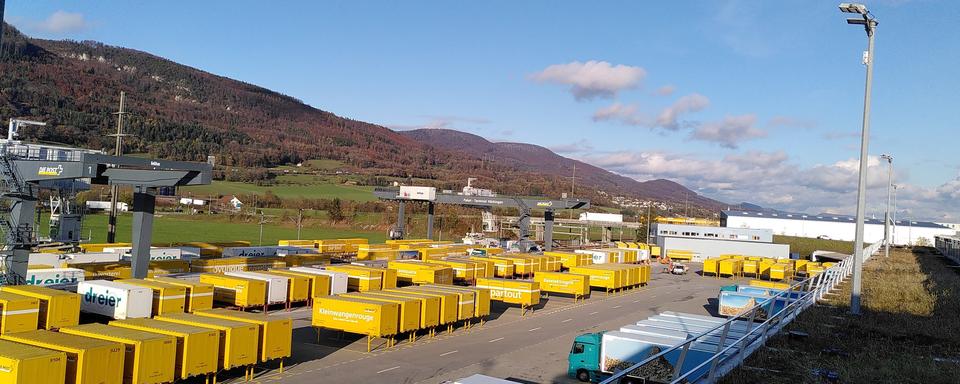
181,112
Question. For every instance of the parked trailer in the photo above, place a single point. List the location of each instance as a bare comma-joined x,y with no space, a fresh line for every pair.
236,291
429,307
199,296
572,284
521,266
371,318
56,308
388,277
197,348
276,286
238,340
115,300
167,298
26,364
482,298
18,313
150,357
482,268
339,281
236,264
523,292
275,333
88,360
571,259
502,268
54,276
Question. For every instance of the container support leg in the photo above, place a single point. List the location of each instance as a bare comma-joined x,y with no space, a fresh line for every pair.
281,365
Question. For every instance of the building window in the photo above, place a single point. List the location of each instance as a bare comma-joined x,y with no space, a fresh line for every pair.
756,238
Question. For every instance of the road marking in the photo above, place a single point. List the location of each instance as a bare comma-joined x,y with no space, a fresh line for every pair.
594,313
618,306
636,301
495,340
566,320
447,353
388,369
533,329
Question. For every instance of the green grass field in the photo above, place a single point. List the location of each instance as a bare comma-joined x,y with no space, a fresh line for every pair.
172,228
287,187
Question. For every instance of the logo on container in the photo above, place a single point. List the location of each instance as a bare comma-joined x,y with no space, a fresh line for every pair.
102,299
50,171
57,279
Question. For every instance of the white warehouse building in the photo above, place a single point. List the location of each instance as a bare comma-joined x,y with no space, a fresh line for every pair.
836,227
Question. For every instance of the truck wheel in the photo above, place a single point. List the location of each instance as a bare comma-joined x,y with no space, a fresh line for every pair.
583,376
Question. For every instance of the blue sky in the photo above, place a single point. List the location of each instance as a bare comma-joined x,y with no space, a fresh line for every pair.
754,101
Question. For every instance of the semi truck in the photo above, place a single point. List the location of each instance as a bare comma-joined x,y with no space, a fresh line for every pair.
596,356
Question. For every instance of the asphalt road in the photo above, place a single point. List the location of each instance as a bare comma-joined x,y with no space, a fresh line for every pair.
532,348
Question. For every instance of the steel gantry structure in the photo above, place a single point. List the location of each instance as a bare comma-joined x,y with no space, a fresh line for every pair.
27,168
524,204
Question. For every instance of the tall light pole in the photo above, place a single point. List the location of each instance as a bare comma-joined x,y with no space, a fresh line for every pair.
869,25
886,217
893,220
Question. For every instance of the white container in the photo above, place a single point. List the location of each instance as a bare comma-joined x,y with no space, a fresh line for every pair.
51,259
276,285
54,276
605,217
250,251
92,257
160,253
599,257
338,280
418,193
116,300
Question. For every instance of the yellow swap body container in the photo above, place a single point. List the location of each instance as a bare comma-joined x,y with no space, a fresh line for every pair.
56,308
523,292
149,358
418,272
769,284
481,297
365,317
449,303
359,279
18,313
199,295
465,300
409,312
565,283
319,285
731,267
88,360
198,349
238,340
429,306
167,298
485,267
750,267
275,333
25,364
236,291
711,266
298,287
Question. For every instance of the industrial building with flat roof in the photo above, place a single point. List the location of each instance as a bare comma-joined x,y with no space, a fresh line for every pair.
706,242
835,227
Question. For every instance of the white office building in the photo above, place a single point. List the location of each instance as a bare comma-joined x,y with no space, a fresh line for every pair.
706,242
835,227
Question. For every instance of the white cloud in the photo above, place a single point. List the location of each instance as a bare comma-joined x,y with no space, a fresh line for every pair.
627,114
770,179
666,90
694,102
60,22
790,122
445,122
593,79
730,131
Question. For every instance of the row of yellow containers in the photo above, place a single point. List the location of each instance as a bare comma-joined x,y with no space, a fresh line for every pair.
362,278
571,259
680,254
526,264
30,307
206,249
160,350
243,292
774,269
122,270
400,310
327,245
632,245
612,277
236,264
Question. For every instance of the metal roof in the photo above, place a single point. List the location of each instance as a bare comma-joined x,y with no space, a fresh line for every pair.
826,218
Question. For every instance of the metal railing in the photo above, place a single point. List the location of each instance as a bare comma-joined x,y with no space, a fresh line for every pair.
727,357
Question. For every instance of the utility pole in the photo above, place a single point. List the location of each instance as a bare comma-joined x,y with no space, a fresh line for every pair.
299,221
869,24
115,189
648,222
262,222
886,217
573,185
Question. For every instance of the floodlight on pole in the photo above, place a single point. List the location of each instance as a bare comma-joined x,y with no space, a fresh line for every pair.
869,25
886,217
